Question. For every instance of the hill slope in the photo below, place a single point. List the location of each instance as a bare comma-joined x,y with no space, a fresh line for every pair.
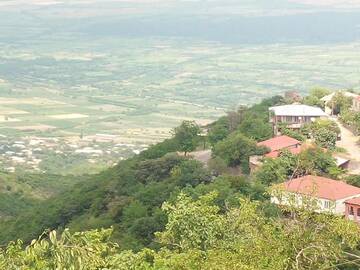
129,196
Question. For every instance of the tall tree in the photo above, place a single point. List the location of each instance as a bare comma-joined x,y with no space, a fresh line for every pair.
187,135
236,150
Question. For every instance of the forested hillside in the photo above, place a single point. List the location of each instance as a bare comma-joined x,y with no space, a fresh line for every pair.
187,215
129,196
19,192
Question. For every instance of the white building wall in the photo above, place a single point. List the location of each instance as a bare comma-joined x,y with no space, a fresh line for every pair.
296,200
340,204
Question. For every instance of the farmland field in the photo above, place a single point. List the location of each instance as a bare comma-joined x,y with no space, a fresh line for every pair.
154,84
99,79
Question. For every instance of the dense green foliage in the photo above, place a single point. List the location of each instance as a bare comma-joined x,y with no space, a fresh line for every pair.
20,192
313,161
252,122
325,138
236,150
169,211
351,119
186,136
197,236
324,132
219,130
129,195
314,98
291,133
340,103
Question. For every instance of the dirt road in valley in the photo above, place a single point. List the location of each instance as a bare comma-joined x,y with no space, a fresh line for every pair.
350,142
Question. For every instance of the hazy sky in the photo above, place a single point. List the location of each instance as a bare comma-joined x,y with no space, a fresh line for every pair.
270,20
238,3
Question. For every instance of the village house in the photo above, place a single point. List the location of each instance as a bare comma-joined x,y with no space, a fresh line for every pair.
352,209
328,195
277,144
293,116
280,143
327,100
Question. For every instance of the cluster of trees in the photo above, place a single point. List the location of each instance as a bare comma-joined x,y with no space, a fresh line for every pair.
313,160
315,96
209,221
234,137
351,119
129,196
199,236
342,106
324,132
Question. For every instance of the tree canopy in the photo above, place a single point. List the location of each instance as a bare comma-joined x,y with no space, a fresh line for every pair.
199,236
186,136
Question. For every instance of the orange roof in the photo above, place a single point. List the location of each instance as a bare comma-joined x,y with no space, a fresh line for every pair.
275,154
278,143
321,187
353,201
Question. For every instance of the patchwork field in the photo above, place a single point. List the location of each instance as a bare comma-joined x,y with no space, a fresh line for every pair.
153,84
133,92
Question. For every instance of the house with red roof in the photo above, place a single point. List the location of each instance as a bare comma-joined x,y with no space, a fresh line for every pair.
352,209
279,143
329,195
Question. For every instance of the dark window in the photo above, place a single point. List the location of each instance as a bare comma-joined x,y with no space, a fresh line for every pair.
358,212
351,212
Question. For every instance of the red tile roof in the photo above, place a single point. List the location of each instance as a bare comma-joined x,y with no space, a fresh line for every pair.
321,187
272,154
355,201
278,143
275,154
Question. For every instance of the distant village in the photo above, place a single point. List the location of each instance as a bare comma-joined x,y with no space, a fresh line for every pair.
30,152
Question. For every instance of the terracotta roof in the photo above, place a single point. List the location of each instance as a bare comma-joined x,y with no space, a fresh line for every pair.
275,154
272,154
321,187
354,201
279,143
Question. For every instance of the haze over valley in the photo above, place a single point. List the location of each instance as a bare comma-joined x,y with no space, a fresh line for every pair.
86,83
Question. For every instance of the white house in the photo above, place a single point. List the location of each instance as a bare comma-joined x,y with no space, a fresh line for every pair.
324,194
294,116
328,98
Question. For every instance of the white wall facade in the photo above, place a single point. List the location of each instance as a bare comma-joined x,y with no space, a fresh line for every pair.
319,205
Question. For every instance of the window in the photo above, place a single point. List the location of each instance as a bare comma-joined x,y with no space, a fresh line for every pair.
351,211
358,212
327,204
290,119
